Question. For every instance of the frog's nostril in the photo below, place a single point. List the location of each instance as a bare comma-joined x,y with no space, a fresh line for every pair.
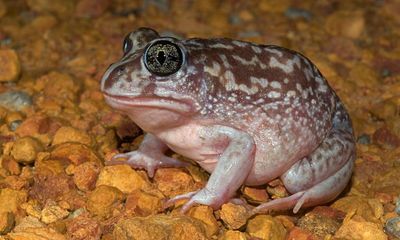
120,70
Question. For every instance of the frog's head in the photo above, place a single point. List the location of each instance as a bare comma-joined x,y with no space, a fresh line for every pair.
152,73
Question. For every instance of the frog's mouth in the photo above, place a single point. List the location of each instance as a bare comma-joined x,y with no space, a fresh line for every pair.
129,102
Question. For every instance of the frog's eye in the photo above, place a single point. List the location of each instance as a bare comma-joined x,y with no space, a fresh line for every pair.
163,58
127,46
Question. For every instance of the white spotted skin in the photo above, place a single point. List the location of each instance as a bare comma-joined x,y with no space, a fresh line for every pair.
227,90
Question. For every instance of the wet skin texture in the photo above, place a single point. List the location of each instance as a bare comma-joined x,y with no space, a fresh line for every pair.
246,113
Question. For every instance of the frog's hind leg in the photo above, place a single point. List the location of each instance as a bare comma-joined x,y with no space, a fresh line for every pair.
324,191
320,177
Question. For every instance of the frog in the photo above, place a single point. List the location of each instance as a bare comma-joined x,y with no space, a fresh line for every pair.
246,113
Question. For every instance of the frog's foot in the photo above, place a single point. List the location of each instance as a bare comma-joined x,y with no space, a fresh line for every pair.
203,196
141,160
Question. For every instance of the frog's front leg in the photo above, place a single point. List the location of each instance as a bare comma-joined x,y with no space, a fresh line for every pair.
149,156
231,171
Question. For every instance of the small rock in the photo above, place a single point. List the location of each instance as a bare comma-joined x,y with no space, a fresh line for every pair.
297,233
234,235
398,206
26,149
10,67
160,227
234,216
13,198
75,153
85,176
70,134
15,124
296,13
52,213
368,208
38,126
392,227
266,227
173,181
143,203
52,183
364,139
83,227
39,233
103,200
384,137
15,100
357,228
205,214
319,224
7,221
255,195
122,177
9,164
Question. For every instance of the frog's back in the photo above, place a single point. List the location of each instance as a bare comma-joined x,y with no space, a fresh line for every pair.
248,78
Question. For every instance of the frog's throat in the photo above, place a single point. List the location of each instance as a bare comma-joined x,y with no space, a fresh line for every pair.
127,102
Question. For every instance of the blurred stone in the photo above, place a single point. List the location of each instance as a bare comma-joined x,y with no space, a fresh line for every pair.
160,227
26,149
266,227
102,201
60,7
296,13
10,67
365,76
205,214
12,166
3,8
384,137
350,24
91,8
234,216
15,100
392,226
15,124
7,221
122,177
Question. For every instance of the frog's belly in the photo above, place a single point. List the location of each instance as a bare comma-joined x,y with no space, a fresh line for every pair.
185,140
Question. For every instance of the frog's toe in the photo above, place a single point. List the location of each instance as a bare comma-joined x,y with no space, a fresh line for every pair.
172,201
203,197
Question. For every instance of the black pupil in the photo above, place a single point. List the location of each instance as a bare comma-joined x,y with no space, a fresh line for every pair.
161,57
